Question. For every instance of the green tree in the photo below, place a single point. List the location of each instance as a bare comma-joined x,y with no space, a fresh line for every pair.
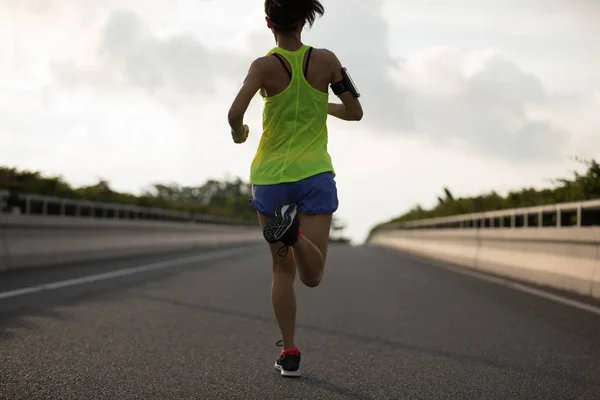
581,186
336,233
228,198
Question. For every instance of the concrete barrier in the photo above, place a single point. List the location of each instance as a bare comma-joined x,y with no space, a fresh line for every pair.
30,241
4,261
596,276
566,259
458,247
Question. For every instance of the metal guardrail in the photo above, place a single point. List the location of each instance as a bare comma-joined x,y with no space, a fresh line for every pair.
31,204
578,214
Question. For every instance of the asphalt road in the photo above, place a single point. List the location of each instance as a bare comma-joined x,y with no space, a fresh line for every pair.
380,326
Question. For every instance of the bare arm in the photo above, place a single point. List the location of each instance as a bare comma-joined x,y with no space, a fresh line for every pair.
350,109
252,84
340,111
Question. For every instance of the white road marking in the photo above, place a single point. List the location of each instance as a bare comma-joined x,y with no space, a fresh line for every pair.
513,285
119,273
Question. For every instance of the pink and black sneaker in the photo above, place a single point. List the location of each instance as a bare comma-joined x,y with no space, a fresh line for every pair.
288,363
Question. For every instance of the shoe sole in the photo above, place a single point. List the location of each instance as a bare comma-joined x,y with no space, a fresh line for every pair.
273,235
287,374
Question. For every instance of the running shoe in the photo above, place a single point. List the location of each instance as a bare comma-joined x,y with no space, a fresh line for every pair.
284,227
288,363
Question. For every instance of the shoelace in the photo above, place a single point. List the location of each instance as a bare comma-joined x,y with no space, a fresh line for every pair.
283,251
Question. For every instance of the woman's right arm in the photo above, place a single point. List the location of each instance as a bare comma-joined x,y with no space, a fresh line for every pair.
350,109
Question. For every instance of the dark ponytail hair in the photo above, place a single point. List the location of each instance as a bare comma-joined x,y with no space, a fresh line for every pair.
286,15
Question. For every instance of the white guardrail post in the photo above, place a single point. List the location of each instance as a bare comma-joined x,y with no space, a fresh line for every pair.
555,245
43,230
30,204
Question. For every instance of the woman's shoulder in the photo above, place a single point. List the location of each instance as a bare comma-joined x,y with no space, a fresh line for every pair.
267,60
327,56
324,51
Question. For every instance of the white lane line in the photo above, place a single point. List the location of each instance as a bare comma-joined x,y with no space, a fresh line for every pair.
510,284
123,272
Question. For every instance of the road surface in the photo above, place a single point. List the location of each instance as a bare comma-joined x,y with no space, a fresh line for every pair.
381,326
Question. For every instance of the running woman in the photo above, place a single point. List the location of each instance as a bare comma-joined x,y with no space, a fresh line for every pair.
292,176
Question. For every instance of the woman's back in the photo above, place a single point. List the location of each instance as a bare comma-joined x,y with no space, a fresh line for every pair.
318,71
294,81
294,141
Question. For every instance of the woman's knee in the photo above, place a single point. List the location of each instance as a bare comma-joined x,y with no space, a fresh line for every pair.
311,281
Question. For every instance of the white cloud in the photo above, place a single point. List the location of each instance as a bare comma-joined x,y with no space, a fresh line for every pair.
129,55
574,19
478,102
93,89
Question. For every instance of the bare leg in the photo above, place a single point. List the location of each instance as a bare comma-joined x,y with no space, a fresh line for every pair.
311,248
283,296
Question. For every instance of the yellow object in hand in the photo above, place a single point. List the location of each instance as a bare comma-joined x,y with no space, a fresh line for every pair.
240,138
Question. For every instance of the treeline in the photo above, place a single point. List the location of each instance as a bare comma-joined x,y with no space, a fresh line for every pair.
580,187
227,198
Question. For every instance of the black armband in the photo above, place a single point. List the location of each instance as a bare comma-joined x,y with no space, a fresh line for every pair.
345,85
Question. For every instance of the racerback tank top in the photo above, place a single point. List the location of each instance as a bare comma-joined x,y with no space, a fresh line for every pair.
293,145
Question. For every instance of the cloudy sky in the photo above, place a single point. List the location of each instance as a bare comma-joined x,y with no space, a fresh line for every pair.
471,94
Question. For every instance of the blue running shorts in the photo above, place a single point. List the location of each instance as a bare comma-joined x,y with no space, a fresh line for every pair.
314,195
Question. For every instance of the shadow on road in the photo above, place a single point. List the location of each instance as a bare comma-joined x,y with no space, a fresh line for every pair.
14,320
531,370
19,313
333,388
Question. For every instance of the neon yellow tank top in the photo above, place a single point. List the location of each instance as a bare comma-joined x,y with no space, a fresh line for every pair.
293,145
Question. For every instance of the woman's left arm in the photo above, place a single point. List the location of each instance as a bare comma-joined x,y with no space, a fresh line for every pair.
252,84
